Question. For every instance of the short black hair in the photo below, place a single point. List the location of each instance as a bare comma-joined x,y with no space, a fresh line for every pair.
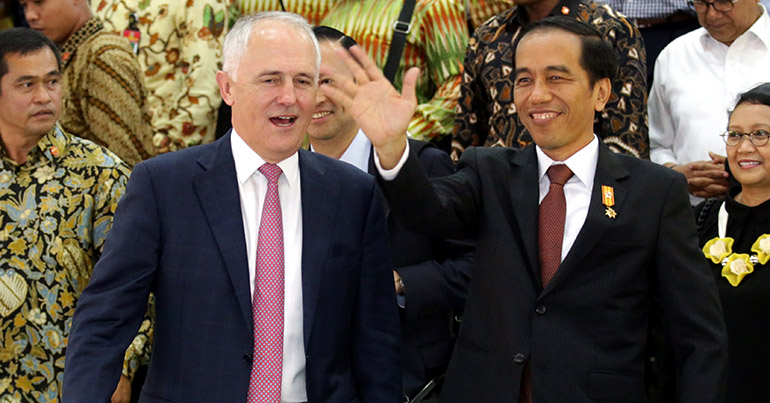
597,57
759,95
325,33
24,41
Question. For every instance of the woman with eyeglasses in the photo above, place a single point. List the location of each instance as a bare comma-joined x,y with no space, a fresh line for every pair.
735,236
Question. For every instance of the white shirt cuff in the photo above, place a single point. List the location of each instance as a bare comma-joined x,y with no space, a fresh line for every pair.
391,174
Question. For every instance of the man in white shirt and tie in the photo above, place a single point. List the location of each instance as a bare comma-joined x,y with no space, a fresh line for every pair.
270,265
569,266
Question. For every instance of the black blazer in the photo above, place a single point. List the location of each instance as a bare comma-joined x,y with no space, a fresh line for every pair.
584,335
436,273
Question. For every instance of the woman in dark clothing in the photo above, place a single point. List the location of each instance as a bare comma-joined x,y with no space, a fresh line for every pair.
735,236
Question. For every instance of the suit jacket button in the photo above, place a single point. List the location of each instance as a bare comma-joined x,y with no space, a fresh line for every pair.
540,309
247,358
519,358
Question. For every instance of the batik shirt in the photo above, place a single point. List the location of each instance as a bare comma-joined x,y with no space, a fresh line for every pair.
313,10
179,51
482,10
104,94
436,44
55,211
486,112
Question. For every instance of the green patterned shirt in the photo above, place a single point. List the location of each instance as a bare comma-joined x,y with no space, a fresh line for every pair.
55,211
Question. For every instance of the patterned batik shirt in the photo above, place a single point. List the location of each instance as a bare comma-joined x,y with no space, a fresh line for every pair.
104,94
179,51
55,211
313,10
482,10
486,112
436,44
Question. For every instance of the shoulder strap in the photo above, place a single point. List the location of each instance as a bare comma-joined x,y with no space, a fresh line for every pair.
401,29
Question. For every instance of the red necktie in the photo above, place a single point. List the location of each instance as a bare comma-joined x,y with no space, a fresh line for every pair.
550,236
267,303
550,225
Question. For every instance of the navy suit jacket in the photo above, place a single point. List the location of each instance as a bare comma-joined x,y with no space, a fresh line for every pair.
584,334
178,232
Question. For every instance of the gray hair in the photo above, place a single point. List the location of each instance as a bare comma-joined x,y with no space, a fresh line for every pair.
237,39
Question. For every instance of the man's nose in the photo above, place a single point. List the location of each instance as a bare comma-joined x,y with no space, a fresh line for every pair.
287,96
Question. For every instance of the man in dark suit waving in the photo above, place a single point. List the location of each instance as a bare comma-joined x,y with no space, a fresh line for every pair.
270,266
574,243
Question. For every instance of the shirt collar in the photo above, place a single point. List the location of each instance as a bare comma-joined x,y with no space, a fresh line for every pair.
70,46
358,151
247,162
582,163
564,8
760,29
53,145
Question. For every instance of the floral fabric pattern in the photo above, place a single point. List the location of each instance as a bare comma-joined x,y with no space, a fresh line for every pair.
179,51
55,211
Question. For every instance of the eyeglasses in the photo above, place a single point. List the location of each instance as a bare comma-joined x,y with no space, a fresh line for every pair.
719,5
733,138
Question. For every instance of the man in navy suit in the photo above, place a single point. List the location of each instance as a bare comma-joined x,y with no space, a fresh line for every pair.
574,246
431,275
190,229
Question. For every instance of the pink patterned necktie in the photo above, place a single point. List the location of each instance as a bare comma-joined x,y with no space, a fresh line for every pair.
267,303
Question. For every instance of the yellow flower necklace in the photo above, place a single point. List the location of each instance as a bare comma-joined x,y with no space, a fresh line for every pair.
735,265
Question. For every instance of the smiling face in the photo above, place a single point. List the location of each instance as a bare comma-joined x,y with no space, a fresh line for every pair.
728,26
553,94
749,164
273,97
30,101
330,119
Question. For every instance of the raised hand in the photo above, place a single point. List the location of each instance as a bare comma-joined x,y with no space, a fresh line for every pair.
374,103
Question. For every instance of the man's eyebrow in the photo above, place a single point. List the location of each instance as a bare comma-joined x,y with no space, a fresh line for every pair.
561,68
52,73
519,71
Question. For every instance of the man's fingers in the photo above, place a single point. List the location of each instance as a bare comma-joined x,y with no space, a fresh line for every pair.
338,95
353,65
372,71
408,89
716,158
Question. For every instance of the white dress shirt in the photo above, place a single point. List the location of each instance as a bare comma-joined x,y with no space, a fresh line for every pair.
252,186
577,190
357,153
697,81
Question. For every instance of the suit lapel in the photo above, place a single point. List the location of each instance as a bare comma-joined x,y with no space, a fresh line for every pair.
520,207
609,172
319,197
217,189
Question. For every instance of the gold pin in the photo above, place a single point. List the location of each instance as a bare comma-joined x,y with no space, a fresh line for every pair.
608,199
565,10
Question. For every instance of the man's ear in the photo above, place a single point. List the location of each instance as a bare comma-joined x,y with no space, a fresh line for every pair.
602,91
225,87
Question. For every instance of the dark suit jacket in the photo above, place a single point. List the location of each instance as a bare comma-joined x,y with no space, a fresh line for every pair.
178,232
436,273
584,335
